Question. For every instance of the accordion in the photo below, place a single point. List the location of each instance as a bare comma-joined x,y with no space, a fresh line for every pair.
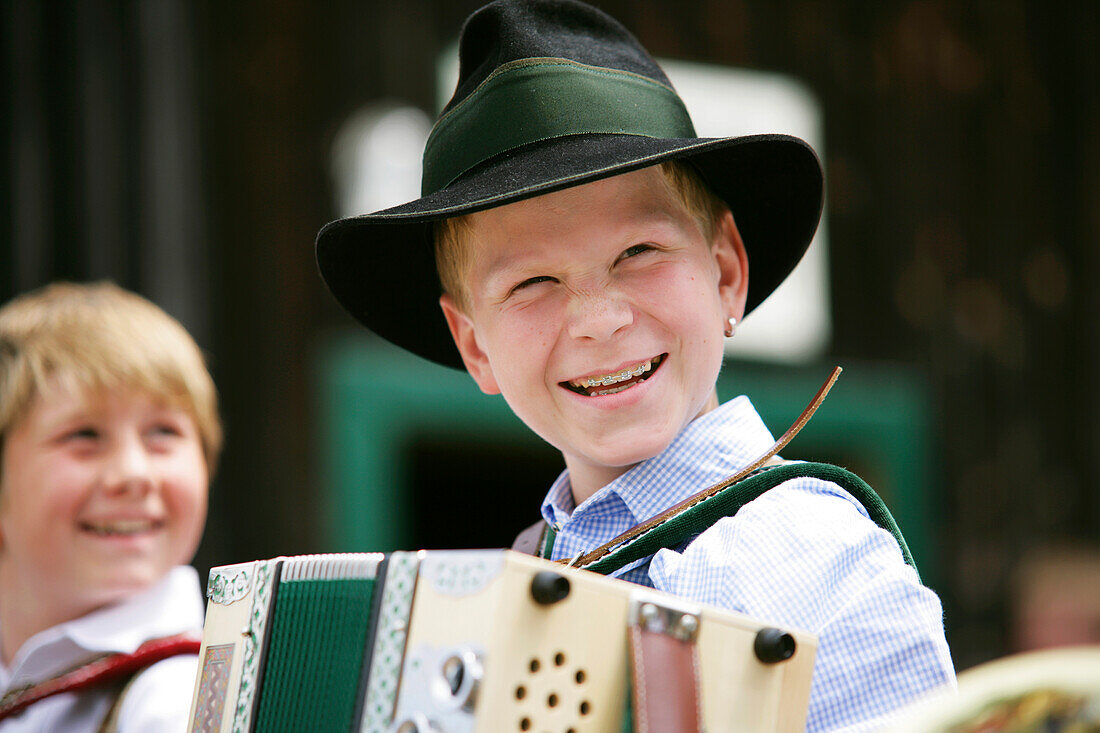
478,641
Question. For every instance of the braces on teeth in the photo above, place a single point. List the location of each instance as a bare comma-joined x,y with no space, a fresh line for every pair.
622,376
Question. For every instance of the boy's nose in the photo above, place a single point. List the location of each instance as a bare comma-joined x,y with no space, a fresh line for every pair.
129,471
598,315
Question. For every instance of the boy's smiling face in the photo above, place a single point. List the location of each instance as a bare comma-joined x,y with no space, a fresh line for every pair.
598,313
102,492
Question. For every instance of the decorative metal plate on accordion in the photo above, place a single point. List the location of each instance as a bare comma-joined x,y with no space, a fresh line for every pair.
470,641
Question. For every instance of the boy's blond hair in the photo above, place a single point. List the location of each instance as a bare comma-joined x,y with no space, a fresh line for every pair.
452,235
99,336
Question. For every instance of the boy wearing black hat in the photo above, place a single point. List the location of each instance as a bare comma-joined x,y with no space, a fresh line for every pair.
593,252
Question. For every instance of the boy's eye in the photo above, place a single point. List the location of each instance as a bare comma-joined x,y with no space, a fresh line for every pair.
164,431
82,434
532,281
637,249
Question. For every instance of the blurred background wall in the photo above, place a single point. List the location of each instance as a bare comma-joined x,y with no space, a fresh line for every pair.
183,150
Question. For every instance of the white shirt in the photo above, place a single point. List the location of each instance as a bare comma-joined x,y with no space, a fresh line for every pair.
805,555
158,701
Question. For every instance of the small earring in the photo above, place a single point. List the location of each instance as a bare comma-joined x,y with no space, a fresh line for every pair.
731,328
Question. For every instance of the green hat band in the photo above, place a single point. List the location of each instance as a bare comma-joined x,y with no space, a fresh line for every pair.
540,99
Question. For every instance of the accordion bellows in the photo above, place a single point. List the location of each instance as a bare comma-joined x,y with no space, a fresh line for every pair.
479,641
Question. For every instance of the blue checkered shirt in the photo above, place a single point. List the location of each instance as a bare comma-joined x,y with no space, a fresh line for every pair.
804,555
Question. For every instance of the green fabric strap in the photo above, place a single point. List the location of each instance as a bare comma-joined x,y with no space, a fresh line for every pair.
692,521
549,535
539,99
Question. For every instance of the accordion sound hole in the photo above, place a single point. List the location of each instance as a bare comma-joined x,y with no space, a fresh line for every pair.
552,694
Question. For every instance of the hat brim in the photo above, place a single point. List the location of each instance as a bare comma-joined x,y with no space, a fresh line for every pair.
381,267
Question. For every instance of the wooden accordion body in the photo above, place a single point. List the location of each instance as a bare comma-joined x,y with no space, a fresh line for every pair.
466,641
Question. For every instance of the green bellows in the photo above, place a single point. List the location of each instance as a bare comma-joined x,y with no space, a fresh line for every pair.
317,636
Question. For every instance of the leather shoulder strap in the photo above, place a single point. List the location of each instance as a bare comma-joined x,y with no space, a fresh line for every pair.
529,541
588,559
681,523
101,670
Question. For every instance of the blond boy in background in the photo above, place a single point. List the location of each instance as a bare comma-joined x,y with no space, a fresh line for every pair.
109,432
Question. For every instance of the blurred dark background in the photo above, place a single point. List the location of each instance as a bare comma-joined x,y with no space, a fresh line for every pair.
182,149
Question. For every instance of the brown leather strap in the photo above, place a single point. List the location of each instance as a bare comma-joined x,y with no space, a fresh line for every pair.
787,437
107,668
665,673
529,541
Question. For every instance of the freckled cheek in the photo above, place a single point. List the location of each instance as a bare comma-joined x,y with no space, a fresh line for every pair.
528,357
532,331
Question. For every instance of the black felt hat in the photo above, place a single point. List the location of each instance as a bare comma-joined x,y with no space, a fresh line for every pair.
553,94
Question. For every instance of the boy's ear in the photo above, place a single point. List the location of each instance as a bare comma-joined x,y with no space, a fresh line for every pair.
733,266
462,331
